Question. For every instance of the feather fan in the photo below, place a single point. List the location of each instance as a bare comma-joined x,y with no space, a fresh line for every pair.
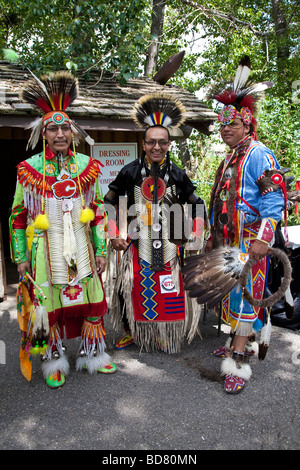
210,276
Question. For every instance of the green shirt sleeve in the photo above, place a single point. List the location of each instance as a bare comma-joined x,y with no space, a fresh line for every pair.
98,230
17,228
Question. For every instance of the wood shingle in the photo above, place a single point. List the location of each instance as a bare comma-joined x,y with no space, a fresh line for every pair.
103,103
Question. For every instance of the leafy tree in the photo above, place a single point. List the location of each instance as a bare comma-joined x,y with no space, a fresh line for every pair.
266,30
80,34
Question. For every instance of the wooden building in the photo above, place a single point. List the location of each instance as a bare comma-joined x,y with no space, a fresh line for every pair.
103,108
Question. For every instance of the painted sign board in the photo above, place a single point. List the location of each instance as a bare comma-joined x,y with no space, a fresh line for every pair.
113,156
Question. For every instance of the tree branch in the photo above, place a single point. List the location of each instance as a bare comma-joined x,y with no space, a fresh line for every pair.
217,14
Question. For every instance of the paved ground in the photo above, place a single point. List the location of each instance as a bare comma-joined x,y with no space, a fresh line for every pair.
155,402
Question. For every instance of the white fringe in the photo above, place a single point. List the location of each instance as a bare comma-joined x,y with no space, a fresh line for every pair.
193,312
89,348
245,328
70,247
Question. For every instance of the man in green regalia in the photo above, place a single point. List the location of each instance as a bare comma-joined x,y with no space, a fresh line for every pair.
58,240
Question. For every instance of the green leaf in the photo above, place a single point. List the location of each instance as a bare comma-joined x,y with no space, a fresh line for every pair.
11,56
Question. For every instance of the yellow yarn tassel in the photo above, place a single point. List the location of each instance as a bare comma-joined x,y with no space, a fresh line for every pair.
37,350
87,214
41,221
30,235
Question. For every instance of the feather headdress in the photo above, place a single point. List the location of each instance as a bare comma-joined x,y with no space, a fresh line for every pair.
241,96
159,109
52,94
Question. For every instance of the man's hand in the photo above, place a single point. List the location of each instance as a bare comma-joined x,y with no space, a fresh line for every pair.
23,267
209,245
258,250
194,244
100,264
119,244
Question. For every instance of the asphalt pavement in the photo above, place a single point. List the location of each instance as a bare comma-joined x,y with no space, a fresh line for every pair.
160,404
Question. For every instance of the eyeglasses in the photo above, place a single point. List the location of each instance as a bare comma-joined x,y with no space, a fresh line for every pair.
232,125
54,129
161,143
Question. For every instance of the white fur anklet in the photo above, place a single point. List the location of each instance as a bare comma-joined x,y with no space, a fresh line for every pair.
251,346
52,366
230,367
92,364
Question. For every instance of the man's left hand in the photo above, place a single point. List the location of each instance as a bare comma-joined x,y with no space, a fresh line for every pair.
100,264
258,250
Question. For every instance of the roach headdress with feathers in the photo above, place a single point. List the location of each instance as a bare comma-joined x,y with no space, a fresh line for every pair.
158,109
52,94
241,96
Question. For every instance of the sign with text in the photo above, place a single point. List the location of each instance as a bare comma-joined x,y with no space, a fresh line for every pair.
113,157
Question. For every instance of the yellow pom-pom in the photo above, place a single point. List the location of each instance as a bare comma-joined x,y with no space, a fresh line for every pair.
41,222
87,215
36,350
30,235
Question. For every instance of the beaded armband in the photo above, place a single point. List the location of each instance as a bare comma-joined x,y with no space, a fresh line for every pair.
267,230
